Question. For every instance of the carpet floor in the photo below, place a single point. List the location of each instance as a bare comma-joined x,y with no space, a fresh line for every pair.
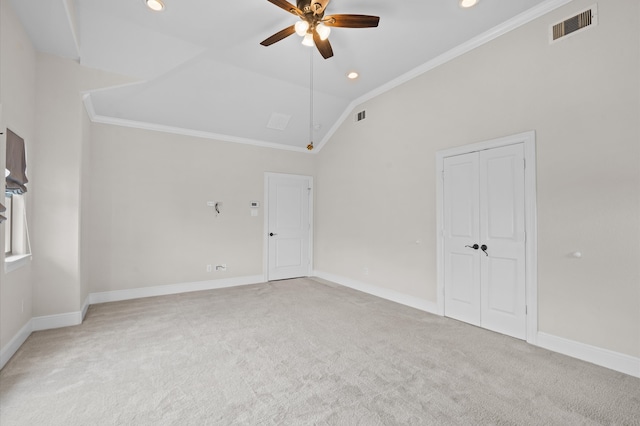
298,352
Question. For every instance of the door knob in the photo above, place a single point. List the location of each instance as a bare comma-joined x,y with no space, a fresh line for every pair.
475,247
271,234
484,249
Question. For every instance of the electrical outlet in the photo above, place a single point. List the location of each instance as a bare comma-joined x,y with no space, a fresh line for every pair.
365,270
220,268
208,268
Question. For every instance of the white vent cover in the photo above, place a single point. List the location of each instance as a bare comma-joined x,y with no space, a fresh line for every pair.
278,121
360,116
574,24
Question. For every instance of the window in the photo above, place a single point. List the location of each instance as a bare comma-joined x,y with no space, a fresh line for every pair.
7,226
16,237
16,243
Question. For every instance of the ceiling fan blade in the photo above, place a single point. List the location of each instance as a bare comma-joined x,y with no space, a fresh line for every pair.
351,21
279,36
324,47
284,4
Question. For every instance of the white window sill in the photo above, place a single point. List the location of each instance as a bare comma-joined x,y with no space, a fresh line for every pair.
12,263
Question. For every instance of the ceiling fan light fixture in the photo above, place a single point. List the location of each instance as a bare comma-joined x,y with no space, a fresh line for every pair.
155,5
323,31
301,28
308,40
313,13
468,3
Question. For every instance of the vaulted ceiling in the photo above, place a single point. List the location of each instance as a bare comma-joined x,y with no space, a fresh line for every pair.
198,67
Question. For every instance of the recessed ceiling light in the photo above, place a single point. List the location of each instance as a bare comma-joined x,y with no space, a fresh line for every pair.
352,75
468,3
155,5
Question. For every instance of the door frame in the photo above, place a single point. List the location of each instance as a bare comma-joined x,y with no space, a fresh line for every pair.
265,237
528,139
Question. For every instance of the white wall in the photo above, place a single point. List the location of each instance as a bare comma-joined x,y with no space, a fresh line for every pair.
376,179
18,98
58,180
85,199
116,208
150,224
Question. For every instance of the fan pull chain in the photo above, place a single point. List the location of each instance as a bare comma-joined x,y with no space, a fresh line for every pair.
310,146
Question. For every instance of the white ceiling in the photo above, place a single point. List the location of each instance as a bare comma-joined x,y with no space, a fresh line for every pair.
202,70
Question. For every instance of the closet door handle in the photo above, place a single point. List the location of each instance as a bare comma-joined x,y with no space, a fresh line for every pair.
475,247
271,234
484,249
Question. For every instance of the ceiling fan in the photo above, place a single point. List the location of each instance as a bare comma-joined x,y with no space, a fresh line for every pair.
314,26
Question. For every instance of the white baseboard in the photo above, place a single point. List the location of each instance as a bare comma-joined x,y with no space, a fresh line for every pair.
593,354
85,307
48,322
613,360
75,318
163,290
384,293
14,344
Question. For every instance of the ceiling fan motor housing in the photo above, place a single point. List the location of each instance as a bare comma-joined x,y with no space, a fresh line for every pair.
312,8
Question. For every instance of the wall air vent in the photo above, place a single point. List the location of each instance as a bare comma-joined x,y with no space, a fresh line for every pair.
581,21
360,116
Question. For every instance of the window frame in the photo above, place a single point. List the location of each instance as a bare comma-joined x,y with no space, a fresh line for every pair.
20,253
8,227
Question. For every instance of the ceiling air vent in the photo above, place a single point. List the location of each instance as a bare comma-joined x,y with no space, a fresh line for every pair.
278,121
569,26
360,116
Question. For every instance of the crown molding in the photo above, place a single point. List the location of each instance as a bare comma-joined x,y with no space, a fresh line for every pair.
96,118
484,38
495,32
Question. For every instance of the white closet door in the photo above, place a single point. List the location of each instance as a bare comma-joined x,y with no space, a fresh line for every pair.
462,231
502,230
484,239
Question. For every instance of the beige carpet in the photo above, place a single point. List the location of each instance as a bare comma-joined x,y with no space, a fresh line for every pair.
297,352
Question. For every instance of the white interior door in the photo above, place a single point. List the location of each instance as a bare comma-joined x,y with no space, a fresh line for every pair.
502,231
462,231
484,239
288,226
